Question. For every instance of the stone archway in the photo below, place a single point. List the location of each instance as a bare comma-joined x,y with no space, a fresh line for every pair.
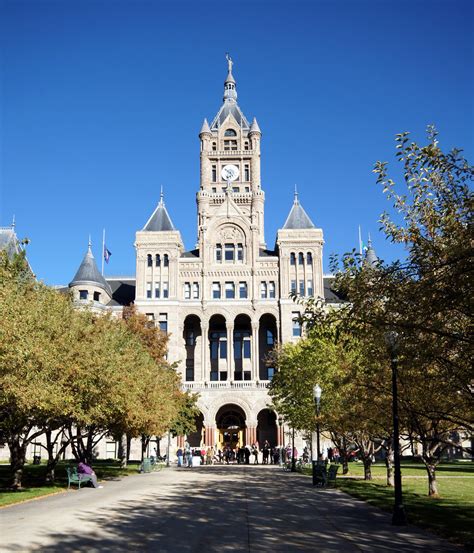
195,439
267,427
231,425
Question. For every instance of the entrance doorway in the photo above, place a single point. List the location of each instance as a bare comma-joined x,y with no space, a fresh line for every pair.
230,423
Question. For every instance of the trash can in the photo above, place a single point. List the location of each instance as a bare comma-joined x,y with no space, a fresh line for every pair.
36,459
319,474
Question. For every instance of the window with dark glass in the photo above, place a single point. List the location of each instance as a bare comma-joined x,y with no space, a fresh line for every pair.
240,252
218,253
300,258
246,146
293,286
230,132
309,258
270,338
247,173
163,322
263,290
230,145
157,260
214,173
83,294
301,288
187,290
270,373
165,289
149,260
157,289
271,290
96,296
296,324
242,290
223,349
216,290
165,260
148,290
214,146
190,338
195,290
309,287
229,290
292,258
229,252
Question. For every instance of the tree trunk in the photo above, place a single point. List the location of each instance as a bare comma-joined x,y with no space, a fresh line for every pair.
432,483
367,467
17,457
122,451
345,464
389,464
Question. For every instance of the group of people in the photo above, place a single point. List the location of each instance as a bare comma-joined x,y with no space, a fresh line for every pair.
241,454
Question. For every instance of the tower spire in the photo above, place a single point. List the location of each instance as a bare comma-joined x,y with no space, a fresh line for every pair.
295,199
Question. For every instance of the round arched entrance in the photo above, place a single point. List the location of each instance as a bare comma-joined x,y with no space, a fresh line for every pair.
267,427
231,425
195,438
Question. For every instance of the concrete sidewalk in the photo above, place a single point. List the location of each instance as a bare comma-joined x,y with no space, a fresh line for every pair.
208,509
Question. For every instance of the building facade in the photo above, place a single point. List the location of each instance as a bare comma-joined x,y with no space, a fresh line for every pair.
226,303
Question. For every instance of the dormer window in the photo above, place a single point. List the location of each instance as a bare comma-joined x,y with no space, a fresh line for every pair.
230,132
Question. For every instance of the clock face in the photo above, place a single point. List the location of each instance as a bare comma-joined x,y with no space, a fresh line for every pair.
230,172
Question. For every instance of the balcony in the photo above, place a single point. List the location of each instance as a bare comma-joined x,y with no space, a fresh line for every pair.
225,385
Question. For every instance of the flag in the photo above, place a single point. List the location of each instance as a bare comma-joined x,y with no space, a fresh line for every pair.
107,254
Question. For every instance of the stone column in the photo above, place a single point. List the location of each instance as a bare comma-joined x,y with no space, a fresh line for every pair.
205,361
255,352
230,351
180,441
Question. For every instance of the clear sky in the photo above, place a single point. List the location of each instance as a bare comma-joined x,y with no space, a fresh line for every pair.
102,103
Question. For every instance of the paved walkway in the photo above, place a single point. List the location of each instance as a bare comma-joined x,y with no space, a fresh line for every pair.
206,510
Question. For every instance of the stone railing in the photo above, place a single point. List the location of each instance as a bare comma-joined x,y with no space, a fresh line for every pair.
225,385
228,153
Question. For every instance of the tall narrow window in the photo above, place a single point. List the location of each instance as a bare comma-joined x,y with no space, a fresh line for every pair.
163,322
247,348
296,324
216,290
223,348
148,290
187,291
246,146
195,290
270,338
149,260
300,258
157,289
229,252
309,287
293,286
271,289
214,173
301,291
229,290
263,290
242,290
218,253
214,147
240,252
157,260
96,296
309,258
292,258
246,173
165,260
190,338
165,289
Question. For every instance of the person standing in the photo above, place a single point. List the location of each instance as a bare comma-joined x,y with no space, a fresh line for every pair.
255,454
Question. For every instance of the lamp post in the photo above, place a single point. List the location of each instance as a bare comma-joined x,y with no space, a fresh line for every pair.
317,401
399,516
293,458
280,433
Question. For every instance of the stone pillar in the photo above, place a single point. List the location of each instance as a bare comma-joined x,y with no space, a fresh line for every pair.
230,351
255,352
180,441
251,435
205,361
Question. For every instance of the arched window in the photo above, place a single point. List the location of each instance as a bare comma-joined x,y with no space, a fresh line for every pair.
292,258
165,260
309,258
230,132
300,258
157,260
149,260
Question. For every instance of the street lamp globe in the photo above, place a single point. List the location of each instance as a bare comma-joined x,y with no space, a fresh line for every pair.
317,392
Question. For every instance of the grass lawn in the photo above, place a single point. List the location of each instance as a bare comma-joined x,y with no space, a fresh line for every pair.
450,516
33,479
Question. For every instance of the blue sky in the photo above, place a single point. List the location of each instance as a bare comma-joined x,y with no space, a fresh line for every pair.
102,103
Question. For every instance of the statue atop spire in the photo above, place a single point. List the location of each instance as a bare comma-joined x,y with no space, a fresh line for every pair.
230,63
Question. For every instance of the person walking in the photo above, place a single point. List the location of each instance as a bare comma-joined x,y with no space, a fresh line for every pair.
255,454
179,454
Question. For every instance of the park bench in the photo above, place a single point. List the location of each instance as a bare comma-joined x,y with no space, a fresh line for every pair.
73,477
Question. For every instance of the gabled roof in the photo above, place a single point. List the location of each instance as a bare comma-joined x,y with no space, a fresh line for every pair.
89,274
298,218
9,241
160,219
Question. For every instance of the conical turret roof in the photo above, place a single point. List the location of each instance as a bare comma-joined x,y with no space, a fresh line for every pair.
205,128
88,273
160,220
255,127
371,258
298,218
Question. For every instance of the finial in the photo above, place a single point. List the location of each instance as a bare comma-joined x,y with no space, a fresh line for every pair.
369,242
230,63
13,222
89,246
161,195
296,195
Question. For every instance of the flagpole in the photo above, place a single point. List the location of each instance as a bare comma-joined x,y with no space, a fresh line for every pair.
103,250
